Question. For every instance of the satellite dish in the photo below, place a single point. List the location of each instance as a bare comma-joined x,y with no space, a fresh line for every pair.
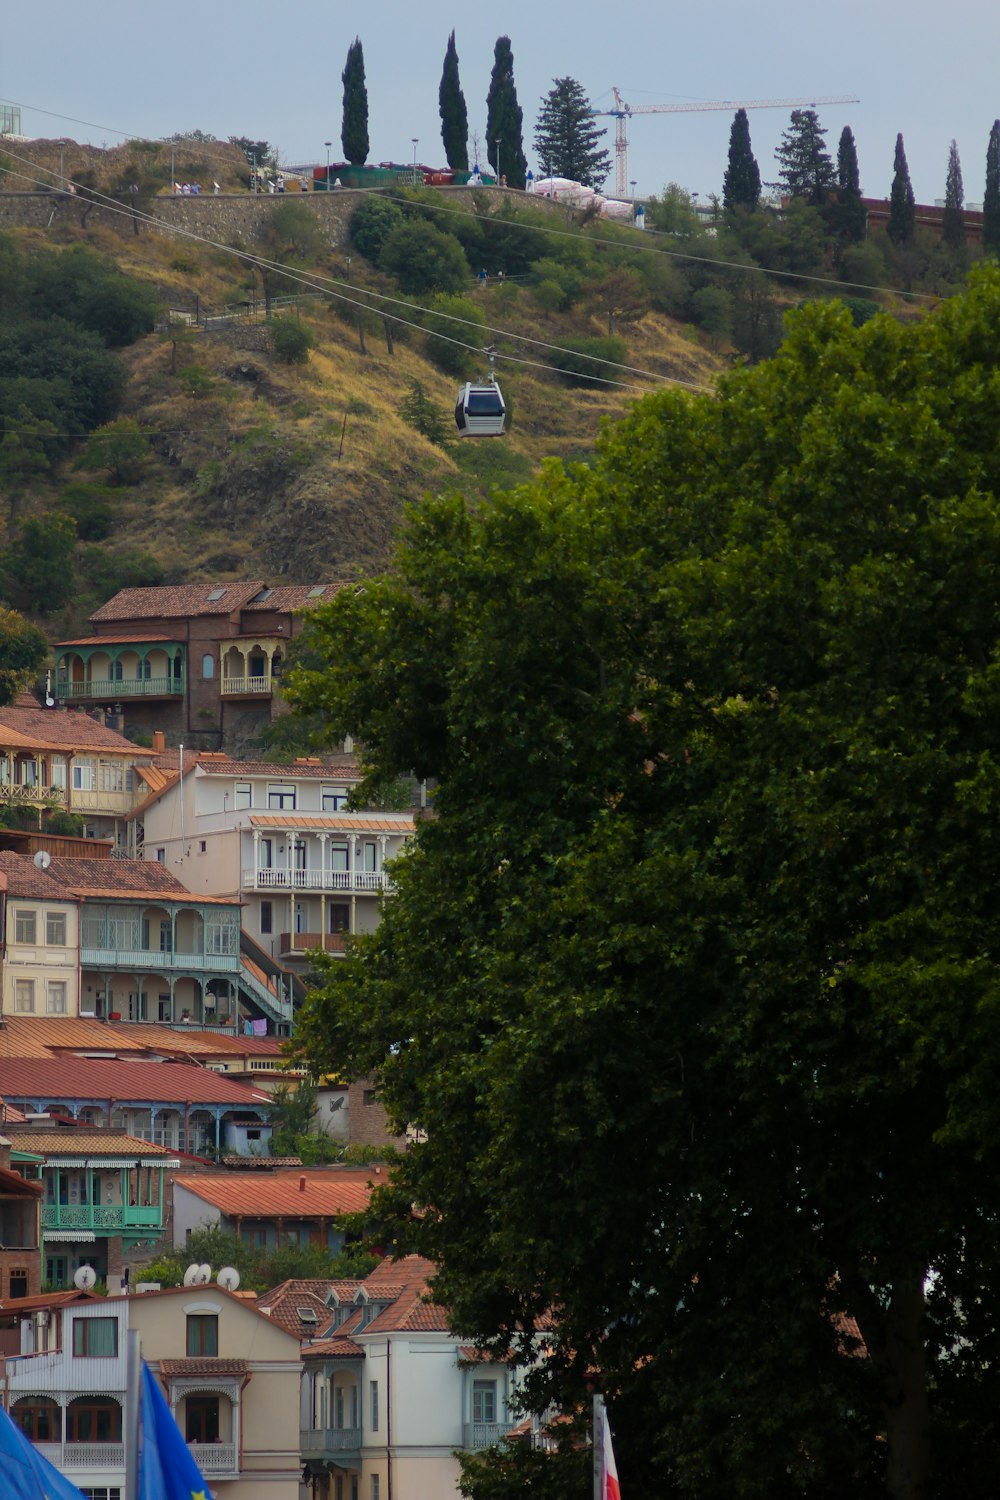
204,1274
50,702
42,859
192,1275
229,1278
85,1278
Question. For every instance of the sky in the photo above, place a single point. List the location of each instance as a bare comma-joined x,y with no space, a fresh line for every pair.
105,70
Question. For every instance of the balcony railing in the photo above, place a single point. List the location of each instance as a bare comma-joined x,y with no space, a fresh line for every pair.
303,942
214,1458
325,1442
106,1216
244,687
121,687
479,1435
156,958
315,880
83,1455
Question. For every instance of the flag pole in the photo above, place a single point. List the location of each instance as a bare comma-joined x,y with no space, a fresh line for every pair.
597,1446
132,1402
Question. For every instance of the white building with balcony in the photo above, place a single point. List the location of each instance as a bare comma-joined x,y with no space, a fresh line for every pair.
279,839
231,1378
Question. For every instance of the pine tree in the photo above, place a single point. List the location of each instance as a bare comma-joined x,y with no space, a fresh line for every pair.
851,216
806,168
902,205
741,184
991,197
953,220
567,137
504,138
454,115
354,130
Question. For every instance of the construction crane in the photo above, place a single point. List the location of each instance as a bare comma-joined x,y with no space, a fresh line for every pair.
622,111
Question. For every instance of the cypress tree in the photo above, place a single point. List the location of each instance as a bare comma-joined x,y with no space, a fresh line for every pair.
454,115
902,205
851,213
354,129
567,137
741,184
806,168
504,118
953,220
991,197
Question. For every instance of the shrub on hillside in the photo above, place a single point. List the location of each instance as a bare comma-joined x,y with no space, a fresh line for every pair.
419,411
446,340
291,340
371,225
91,292
92,506
586,360
424,259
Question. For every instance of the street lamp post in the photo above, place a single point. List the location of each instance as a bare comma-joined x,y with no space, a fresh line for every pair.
416,141
328,144
632,186
498,143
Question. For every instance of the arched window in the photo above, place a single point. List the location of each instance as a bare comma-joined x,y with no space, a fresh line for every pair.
93,1419
39,1418
208,665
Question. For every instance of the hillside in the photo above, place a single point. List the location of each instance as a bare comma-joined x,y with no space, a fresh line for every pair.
301,471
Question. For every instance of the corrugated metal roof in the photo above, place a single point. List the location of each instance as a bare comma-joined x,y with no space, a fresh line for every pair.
123,1080
69,1144
337,822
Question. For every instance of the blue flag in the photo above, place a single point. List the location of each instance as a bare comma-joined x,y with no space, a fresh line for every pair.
26,1474
166,1469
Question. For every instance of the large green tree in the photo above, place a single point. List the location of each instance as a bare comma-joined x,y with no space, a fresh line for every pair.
354,126
690,987
567,137
454,114
741,184
806,169
953,218
850,217
504,119
991,196
902,204
23,649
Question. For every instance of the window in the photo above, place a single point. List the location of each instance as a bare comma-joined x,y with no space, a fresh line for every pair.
334,798
112,776
38,1418
55,1270
83,776
484,1400
300,854
265,854
368,856
368,1097
55,997
202,1335
373,1390
202,846
55,929
93,1419
339,917
18,1286
281,795
95,1338
24,995
375,1486
243,794
266,918
201,1418
354,1487
338,856
338,1487
58,774
102,1492
24,927
208,666
161,856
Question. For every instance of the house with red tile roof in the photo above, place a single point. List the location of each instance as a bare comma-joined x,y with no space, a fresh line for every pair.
281,840
389,1392
201,662
51,758
39,941
297,1206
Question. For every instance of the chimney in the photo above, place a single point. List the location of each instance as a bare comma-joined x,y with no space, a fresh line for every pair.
159,740
302,1184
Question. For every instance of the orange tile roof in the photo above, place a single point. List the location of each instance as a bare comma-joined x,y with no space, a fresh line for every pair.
21,877
12,1183
204,1366
83,1141
177,601
121,877
282,1305
187,1042
328,1192
9,1115
45,1036
119,638
295,596
64,729
215,763
123,1080
336,1347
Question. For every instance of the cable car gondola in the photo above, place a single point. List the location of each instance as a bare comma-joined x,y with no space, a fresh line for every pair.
480,409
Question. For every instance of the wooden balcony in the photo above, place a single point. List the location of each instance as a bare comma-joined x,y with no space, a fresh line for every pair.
218,1459
329,1444
248,687
290,943
281,879
106,1218
112,688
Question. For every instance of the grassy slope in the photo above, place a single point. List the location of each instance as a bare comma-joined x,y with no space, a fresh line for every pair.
245,479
